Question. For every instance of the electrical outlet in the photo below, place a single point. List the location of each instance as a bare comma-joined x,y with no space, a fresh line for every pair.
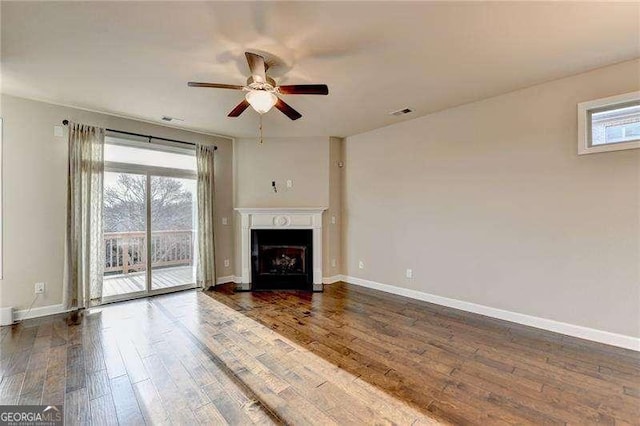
333,263
226,263
409,273
361,264
225,221
39,288
333,220
289,183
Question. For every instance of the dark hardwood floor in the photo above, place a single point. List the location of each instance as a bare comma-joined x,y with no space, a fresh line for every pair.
459,367
347,356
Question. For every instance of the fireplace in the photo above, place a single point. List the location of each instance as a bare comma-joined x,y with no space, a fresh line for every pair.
295,262
282,259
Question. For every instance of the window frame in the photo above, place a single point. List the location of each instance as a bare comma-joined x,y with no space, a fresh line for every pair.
155,145
586,109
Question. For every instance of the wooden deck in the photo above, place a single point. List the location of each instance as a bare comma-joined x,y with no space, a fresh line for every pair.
115,285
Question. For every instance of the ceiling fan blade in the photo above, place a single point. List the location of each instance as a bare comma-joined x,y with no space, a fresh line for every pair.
239,109
215,85
257,67
304,89
287,110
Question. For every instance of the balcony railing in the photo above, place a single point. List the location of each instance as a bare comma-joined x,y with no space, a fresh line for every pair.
127,251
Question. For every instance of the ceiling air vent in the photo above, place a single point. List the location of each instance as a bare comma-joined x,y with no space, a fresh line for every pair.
401,112
169,119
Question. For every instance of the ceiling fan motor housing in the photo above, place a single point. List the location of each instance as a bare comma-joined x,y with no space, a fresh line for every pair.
269,85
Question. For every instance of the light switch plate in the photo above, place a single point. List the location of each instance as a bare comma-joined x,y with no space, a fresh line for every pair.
225,221
361,264
289,183
333,220
58,131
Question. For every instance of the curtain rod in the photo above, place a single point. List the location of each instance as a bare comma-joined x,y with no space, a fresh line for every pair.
66,122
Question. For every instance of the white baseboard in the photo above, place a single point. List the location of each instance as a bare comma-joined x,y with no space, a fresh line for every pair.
332,279
58,309
227,279
592,334
38,312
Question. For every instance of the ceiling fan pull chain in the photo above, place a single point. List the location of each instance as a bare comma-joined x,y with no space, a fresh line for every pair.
260,129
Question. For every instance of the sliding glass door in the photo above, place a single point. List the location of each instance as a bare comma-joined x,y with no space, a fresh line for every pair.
125,232
173,231
149,219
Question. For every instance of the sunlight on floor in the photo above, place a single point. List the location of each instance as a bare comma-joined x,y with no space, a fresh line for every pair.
292,381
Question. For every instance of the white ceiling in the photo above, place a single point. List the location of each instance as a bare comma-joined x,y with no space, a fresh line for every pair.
134,59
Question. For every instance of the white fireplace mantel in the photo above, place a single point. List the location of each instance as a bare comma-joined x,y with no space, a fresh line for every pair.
281,218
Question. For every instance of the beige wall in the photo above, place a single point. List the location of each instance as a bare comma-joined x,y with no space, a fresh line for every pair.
489,203
307,162
35,167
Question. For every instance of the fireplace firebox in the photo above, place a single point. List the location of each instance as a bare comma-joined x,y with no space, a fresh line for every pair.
282,259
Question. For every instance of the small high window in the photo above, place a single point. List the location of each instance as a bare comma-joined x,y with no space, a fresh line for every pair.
609,124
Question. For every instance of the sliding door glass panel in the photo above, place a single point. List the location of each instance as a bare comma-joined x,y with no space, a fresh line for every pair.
173,224
125,234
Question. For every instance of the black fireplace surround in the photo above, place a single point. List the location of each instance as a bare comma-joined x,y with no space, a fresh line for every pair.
282,259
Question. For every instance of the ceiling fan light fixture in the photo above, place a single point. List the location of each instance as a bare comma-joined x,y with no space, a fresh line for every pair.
261,100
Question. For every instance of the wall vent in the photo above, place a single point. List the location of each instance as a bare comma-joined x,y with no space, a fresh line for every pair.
401,111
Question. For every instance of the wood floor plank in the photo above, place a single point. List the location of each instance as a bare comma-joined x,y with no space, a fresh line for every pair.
55,383
226,405
77,410
173,398
76,374
132,361
14,362
209,415
184,416
98,384
125,402
103,411
4,331
184,383
42,342
10,388
35,375
150,403
94,356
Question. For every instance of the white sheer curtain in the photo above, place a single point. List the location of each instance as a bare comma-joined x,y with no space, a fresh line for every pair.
84,254
206,265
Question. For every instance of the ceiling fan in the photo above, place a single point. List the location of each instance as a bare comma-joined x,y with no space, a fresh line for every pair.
262,90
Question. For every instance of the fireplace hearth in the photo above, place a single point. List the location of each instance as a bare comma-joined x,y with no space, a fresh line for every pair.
282,259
